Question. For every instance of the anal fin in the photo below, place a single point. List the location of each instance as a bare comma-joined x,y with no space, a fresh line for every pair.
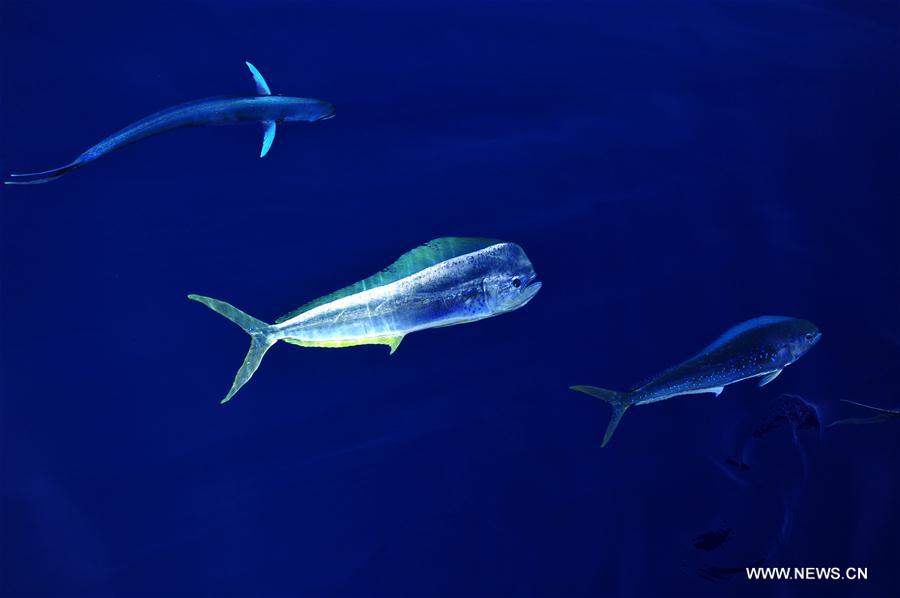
714,390
391,341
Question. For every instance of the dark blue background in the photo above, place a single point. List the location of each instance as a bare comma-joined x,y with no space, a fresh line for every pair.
671,168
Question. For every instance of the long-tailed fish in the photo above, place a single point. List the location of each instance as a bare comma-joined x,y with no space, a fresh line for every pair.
882,415
447,281
263,108
761,347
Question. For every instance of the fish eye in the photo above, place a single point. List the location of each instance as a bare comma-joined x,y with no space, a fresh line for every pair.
516,282
809,336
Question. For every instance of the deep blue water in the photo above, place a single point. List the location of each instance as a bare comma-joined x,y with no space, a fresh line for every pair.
671,168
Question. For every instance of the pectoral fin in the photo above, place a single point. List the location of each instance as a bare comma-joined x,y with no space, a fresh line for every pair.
268,137
769,377
262,88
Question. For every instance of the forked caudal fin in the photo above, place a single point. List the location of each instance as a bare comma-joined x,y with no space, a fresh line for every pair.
260,338
619,402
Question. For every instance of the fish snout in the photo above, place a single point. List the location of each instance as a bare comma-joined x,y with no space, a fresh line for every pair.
531,289
329,113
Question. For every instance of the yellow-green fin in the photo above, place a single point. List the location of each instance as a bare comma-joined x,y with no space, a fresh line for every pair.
391,341
416,260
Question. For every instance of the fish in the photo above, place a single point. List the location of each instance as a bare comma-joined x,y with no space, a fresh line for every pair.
445,282
882,415
264,108
789,411
758,348
712,540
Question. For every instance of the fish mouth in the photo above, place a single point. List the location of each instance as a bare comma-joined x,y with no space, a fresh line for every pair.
531,289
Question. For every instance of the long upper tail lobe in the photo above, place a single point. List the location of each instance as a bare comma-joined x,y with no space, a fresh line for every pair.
260,338
35,178
619,401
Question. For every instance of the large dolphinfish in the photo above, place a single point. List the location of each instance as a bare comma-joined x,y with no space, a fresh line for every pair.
263,108
761,347
448,281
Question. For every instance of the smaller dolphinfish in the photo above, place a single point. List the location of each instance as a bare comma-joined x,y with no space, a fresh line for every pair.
761,347
447,281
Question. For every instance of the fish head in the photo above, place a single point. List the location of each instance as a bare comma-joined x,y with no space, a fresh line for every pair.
304,110
796,338
511,282
327,111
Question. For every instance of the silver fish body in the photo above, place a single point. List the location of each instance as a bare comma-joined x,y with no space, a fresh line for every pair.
758,348
448,281
445,294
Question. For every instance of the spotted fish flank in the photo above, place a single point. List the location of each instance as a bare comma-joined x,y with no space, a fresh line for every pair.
448,281
758,348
